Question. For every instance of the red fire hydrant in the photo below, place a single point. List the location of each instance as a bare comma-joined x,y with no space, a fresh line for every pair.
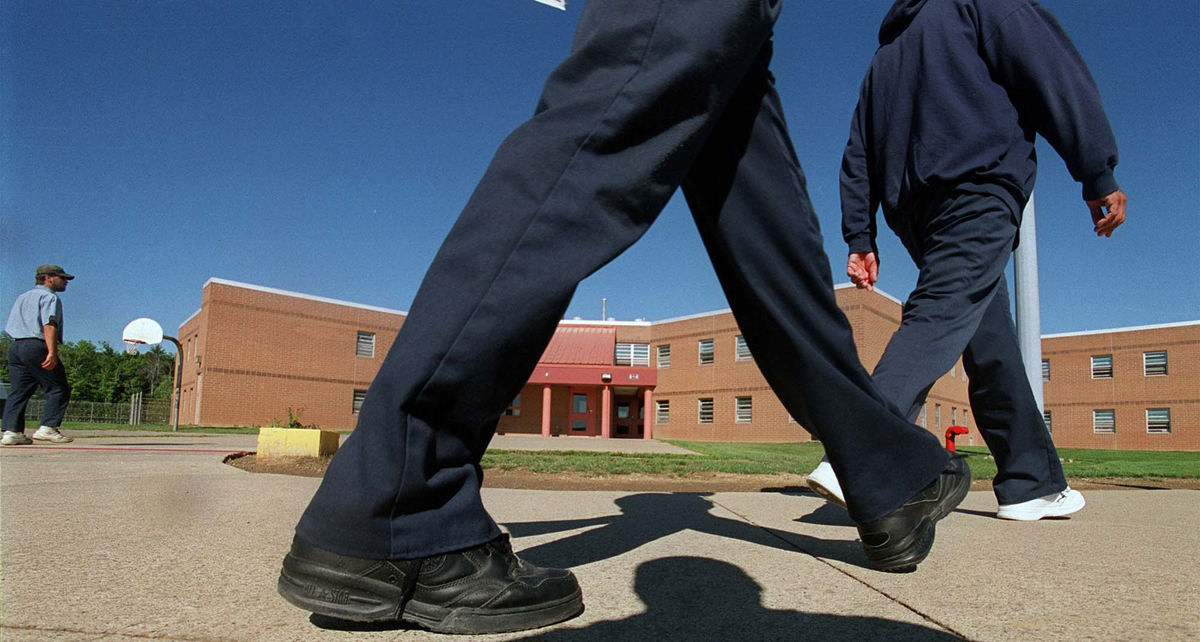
951,432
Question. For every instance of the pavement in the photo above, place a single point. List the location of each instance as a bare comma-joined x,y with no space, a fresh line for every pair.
149,536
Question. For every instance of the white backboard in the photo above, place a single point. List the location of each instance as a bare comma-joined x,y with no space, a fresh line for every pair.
143,330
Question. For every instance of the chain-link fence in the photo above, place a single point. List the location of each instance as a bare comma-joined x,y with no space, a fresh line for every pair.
152,411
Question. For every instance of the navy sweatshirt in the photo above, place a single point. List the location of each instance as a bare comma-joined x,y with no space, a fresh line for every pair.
954,97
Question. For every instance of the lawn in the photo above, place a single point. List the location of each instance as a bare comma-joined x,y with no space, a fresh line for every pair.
768,459
759,459
68,426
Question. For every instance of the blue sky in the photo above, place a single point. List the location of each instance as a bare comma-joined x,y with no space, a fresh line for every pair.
327,147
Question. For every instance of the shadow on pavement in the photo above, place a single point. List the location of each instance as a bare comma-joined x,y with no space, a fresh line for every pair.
693,598
827,515
647,517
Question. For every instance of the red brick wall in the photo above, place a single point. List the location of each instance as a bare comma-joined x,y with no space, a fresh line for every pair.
263,353
1072,394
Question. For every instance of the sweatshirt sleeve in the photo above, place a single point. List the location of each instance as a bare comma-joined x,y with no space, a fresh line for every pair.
858,204
1030,54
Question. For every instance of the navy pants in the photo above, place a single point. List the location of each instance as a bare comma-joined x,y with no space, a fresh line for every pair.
25,357
653,95
961,243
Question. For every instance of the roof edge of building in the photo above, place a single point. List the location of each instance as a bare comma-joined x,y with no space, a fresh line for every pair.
300,295
1134,328
598,322
845,286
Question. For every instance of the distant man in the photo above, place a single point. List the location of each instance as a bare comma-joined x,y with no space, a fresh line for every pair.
943,139
35,324
654,96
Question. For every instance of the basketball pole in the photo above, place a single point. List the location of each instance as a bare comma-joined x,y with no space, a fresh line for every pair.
1028,310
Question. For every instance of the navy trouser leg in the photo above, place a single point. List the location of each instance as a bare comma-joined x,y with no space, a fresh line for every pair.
619,123
25,370
1005,410
748,196
961,245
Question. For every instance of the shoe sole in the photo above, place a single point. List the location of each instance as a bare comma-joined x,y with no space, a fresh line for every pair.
326,591
55,441
1035,515
826,494
916,547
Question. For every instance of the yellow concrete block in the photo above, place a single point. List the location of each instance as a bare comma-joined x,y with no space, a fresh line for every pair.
296,442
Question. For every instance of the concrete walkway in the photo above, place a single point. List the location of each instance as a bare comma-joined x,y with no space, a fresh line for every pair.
152,537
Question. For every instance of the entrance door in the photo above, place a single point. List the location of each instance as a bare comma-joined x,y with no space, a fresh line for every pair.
581,419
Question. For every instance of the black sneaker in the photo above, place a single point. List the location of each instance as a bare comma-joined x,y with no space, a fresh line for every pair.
900,540
486,589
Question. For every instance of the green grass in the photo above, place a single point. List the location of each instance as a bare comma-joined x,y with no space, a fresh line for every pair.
87,425
1081,462
740,459
770,459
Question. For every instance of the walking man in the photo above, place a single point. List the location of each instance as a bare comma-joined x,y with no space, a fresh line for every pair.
35,324
654,95
943,138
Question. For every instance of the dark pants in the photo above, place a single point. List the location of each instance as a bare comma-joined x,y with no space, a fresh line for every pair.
25,357
654,95
961,243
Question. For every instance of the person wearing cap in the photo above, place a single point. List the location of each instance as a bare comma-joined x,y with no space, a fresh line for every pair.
36,324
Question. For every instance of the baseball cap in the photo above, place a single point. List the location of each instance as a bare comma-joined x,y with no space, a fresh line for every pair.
54,270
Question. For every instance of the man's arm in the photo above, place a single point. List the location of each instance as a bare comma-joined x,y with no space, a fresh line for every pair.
1033,58
858,204
50,332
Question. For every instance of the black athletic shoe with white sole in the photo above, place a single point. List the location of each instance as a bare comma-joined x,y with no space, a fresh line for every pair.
485,589
900,540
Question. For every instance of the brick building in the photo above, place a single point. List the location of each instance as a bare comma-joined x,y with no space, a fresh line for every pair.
252,354
1125,388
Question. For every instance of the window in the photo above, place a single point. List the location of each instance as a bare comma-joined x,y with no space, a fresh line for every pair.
953,416
662,411
1104,421
1045,370
706,411
743,410
623,410
514,408
966,417
922,419
664,356
365,347
1046,416
579,403
356,405
1158,420
1154,364
740,349
937,417
706,351
1102,366
632,354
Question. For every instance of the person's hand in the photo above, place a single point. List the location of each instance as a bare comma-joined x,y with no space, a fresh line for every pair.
51,362
863,270
1107,213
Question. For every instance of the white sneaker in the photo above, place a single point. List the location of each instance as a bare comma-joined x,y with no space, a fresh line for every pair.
1056,505
13,438
50,433
824,482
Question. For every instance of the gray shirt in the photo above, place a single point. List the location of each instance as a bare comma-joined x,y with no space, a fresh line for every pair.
32,310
